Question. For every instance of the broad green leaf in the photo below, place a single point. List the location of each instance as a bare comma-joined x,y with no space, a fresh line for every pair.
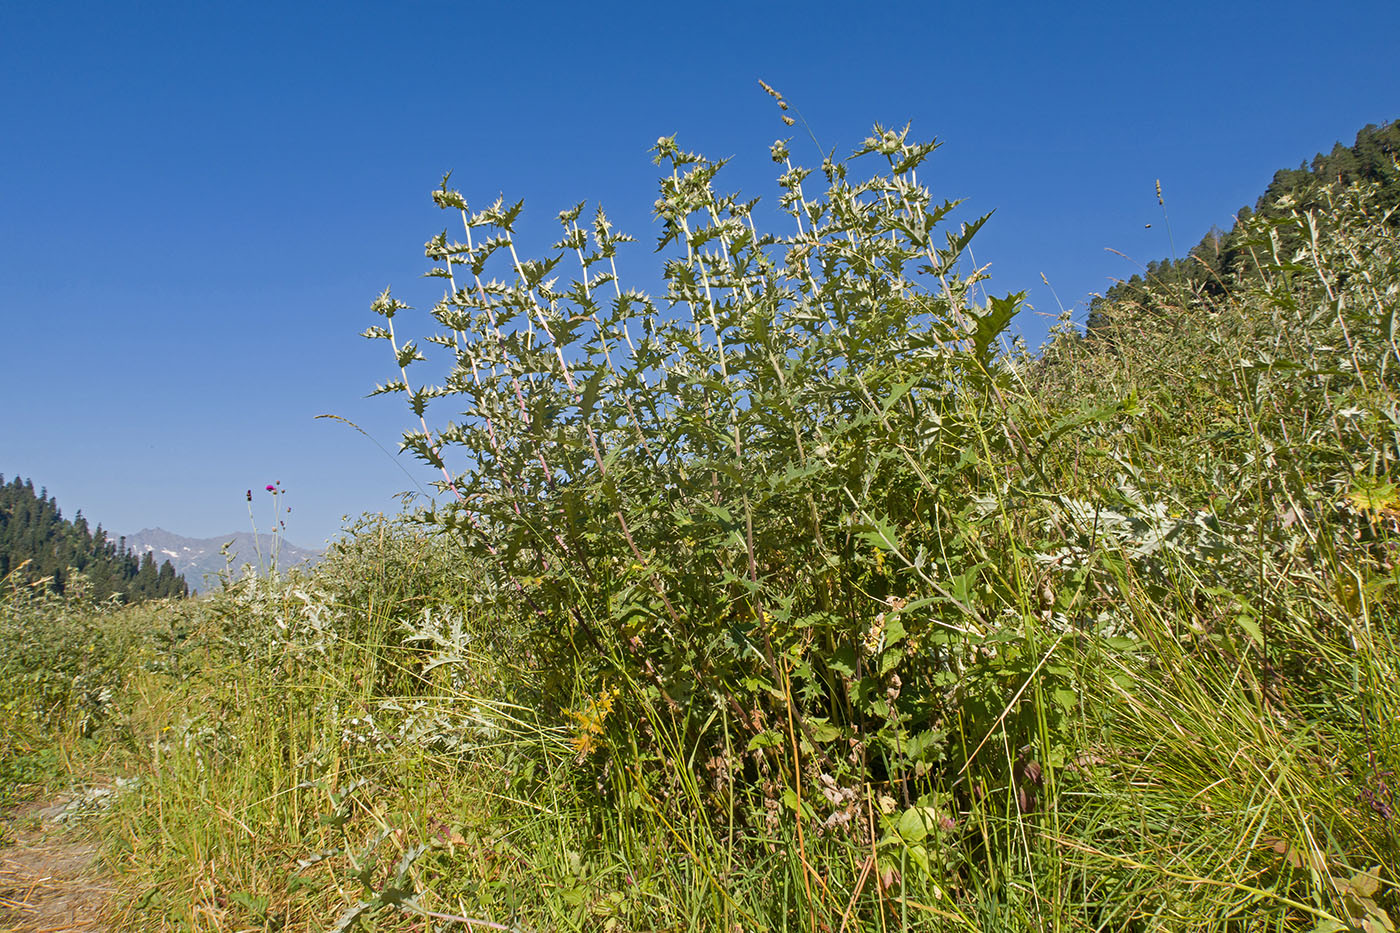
992,322
880,533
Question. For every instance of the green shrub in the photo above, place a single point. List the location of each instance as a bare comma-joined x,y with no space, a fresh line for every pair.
800,547
761,502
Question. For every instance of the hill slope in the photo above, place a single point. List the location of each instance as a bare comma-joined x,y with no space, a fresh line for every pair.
1226,261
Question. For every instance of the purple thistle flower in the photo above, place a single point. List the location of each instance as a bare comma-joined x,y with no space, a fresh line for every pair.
271,489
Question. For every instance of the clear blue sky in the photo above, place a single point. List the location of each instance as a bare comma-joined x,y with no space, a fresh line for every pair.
199,201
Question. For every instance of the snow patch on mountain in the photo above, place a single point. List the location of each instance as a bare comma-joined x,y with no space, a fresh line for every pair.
202,560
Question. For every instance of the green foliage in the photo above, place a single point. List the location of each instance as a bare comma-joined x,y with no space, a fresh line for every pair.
1265,440
63,662
24,770
765,498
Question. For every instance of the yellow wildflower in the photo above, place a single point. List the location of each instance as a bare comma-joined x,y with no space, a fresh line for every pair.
590,722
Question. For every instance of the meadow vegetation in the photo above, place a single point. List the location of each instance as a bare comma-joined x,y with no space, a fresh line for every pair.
797,598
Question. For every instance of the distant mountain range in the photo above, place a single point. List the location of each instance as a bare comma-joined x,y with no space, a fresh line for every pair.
201,560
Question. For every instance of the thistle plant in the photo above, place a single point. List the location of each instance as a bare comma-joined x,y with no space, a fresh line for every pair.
753,497
277,530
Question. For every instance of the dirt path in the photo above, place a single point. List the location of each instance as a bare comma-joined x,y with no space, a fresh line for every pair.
49,878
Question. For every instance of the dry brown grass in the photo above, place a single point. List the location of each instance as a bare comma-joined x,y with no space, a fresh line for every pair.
50,879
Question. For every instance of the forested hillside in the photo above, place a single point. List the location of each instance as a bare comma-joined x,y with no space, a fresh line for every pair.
1223,261
36,541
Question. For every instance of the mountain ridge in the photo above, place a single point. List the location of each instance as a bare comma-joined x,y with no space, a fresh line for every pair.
202,560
